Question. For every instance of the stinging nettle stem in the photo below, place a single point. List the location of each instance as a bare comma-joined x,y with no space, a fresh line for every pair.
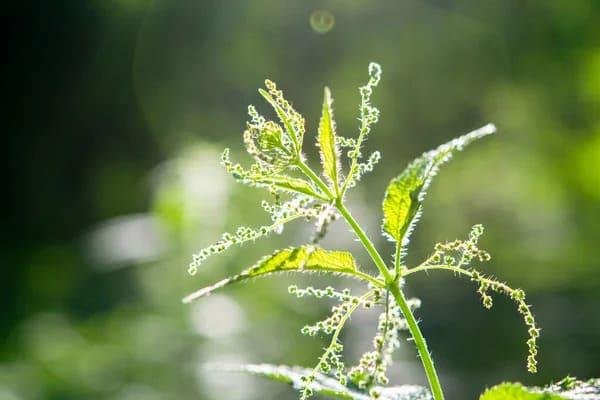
391,283
393,287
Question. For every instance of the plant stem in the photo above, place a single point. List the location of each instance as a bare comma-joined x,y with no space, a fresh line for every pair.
315,178
366,242
413,326
397,266
460,271
390,281
392,285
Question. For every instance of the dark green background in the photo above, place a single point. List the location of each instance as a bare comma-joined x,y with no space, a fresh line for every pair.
115,114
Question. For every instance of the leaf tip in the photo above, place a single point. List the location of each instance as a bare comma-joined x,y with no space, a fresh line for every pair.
489,128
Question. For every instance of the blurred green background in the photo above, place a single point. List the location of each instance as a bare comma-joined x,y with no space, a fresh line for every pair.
116,112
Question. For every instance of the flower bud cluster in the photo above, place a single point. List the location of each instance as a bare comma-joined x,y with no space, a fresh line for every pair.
369,115
372,367
296,121
329,292
344,141
460,253
284,213
252,177
363,168
266,142
327,215
241,235
298,205
518,296
338,311
330,363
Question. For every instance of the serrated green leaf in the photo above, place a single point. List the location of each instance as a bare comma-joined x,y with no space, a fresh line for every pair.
289,184
325,385
300,259
401,201
328,147
567,389
515,391
405,193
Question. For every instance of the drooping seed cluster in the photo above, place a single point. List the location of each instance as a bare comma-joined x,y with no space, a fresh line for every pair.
459,253
298,207
373,365
242,234
348,302
330,363
486,284
326,217
252,176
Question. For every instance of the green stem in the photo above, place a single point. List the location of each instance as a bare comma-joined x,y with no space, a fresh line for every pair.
415,331
426,267
392,284
397,270
390,281
315,178
374,281
366,242
459,271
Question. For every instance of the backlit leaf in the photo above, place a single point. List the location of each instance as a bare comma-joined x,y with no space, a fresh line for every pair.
289,184
325,385
405,193
515,391
568,388
300,259
327,143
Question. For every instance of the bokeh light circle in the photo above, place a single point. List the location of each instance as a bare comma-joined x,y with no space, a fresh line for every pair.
322,21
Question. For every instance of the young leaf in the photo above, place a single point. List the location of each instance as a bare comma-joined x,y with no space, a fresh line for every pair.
405,193
291,119
568,388
401,201
289,184
515,391
327,142
300,259
325,385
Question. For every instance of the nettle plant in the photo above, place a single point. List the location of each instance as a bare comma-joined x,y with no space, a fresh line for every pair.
299,192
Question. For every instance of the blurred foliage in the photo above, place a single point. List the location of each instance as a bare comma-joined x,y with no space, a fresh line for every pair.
117,111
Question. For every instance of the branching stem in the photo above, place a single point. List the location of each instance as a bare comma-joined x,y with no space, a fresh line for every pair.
366,242
391,282
394,288
314,178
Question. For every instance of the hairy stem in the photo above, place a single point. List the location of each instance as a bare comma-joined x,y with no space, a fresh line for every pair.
392,285
397,266
306,170
458,270
338,330
366,242
413,326
374,281
390,281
